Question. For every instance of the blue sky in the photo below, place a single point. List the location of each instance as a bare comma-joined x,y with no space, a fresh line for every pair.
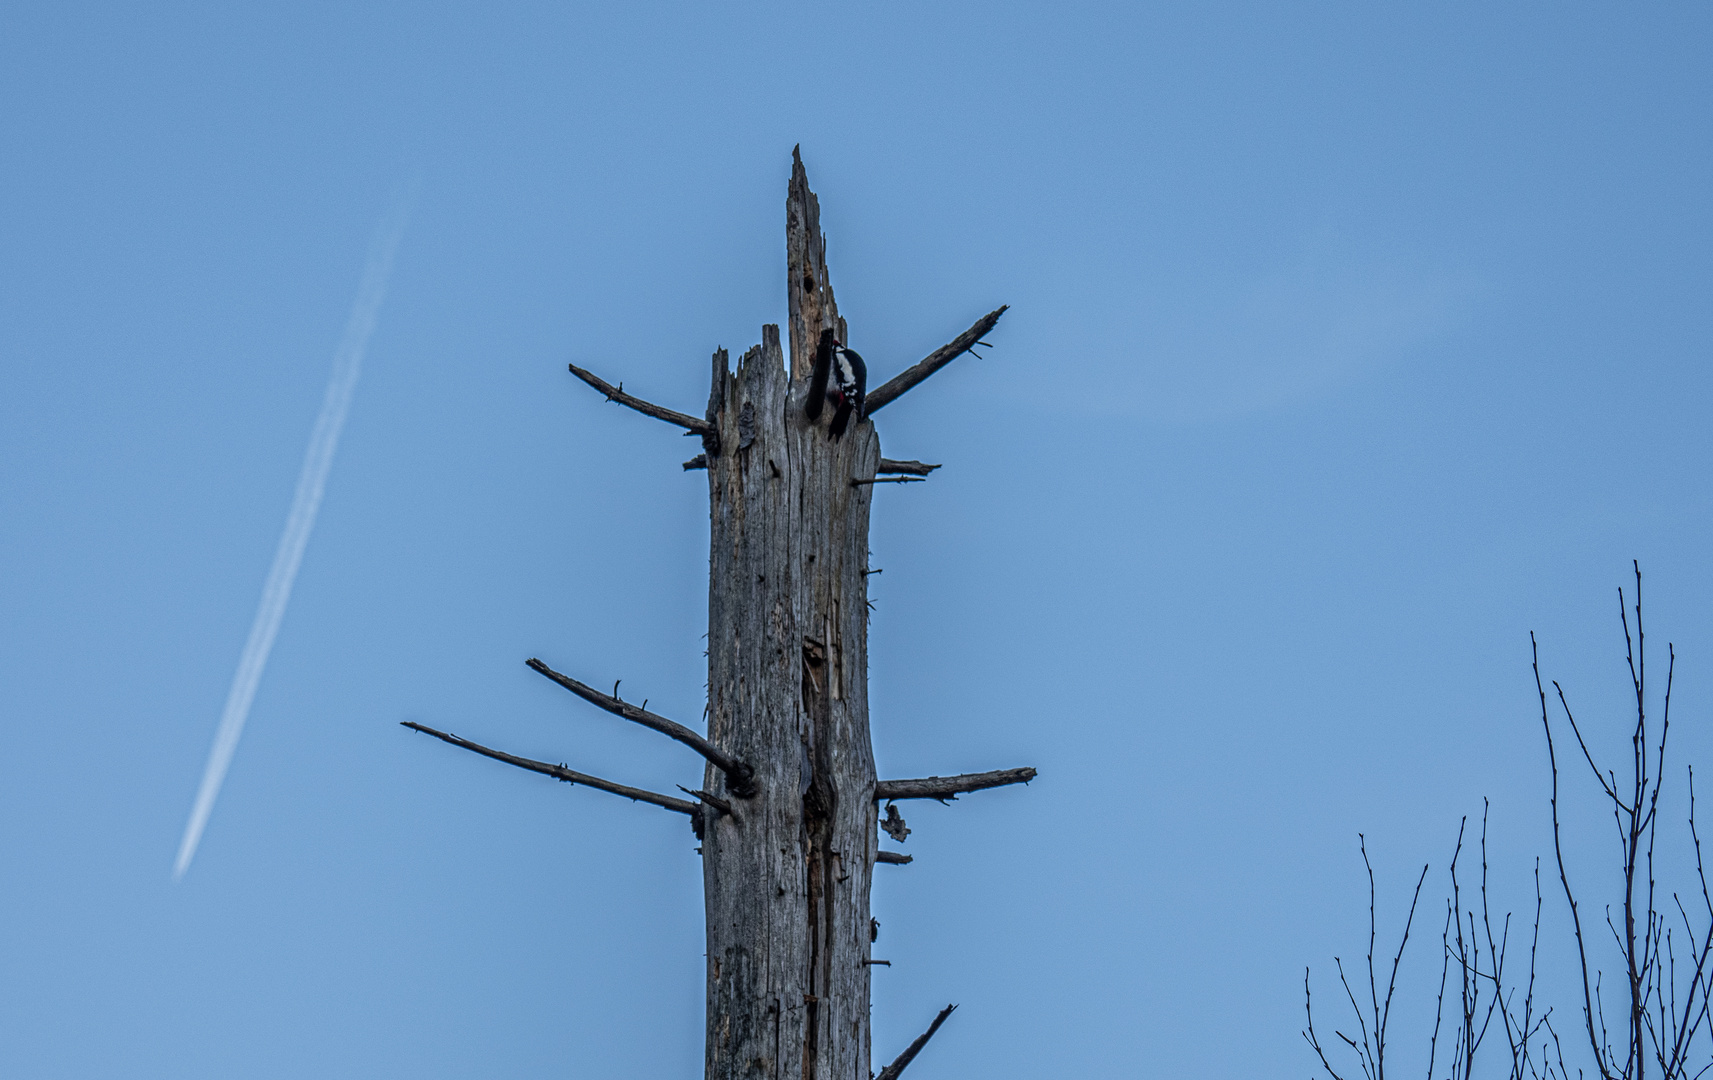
1348,344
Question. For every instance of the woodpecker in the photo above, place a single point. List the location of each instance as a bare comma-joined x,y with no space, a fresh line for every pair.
845,371
851,377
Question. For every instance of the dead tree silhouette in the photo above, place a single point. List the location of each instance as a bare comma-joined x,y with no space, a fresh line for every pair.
787,810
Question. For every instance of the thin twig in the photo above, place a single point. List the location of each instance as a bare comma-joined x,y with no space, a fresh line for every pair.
1383,1014
1309,1035
890,480
559,772
1695,1008
1444,971
647,408
1588,1007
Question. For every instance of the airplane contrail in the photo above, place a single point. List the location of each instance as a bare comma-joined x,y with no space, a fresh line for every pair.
311,483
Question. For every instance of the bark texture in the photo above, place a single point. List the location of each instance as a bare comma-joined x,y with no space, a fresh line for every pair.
787,873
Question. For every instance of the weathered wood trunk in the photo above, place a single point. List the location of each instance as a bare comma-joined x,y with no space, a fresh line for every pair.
787,873
786,813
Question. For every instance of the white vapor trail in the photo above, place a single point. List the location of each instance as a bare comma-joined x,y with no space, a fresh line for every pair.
311,483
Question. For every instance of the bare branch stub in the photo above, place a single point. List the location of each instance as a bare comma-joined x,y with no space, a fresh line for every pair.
647,408
740,777
714,801
898,1064
913,468
894,388
560,772
946,787
896,858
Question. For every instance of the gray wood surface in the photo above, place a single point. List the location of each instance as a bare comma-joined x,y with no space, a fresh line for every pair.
787,810
809,295
787,874
949,787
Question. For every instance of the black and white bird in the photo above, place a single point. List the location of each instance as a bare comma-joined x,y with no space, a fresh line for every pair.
839,377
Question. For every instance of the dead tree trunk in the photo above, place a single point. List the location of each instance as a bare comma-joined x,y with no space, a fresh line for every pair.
787,811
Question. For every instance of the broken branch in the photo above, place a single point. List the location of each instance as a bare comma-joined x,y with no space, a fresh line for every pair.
700,461
914,468
894,388
896,858
890,480
947,787
560,772
891,1071
647,408
714,801
740,778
